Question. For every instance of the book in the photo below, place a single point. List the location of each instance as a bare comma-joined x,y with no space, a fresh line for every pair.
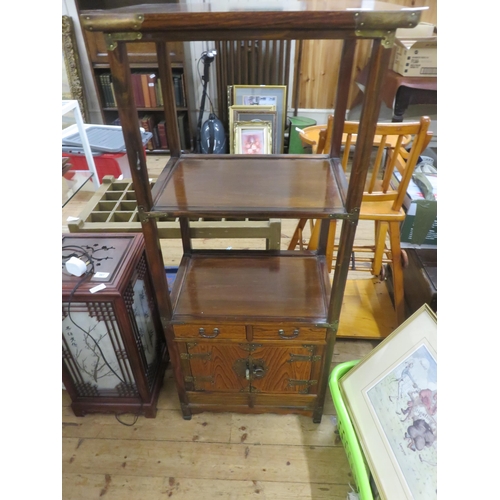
181,122
162,134
152,89
159,95
107,92
178,90
137,90
147,123
145,90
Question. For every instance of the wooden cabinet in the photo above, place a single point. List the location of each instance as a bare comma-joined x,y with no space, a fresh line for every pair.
251,331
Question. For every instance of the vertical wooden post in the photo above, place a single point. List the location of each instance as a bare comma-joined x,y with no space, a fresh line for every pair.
122,82
168,93
343,86
379,61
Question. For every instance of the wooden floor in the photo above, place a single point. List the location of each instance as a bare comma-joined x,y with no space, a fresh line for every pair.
213,456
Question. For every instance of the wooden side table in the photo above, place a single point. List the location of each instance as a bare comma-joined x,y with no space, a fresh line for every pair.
399,91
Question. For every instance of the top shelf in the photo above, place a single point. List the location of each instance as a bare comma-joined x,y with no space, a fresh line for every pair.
287,186
292,19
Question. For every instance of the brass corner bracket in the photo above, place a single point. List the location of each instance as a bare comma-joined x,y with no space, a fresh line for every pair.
145,216
112,39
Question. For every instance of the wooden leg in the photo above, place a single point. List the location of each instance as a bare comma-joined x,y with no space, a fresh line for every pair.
380,246
297,235
397,272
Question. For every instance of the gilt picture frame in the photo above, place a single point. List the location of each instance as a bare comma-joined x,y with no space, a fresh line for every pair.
252,138
258,95
253,114
391,397
72,80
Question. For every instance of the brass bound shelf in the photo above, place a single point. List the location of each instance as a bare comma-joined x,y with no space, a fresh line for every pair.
250,331
264,186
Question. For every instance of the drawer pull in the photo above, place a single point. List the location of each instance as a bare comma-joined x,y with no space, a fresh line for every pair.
294,334
202,333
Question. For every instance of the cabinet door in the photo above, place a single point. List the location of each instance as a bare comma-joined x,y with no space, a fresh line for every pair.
286,369
210,366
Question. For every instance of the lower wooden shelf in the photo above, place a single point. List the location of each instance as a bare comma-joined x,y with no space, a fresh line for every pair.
251,287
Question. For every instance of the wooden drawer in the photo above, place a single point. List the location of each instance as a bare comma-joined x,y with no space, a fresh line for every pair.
290,332
211,331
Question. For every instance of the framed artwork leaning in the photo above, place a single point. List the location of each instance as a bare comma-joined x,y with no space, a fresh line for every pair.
264,95
391,397
252,138
256,114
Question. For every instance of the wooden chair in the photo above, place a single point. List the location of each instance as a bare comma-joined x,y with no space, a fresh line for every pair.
397,147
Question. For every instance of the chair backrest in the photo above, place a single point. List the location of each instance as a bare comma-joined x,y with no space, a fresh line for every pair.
397,146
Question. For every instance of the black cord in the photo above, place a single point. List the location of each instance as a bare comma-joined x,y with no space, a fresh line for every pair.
85,276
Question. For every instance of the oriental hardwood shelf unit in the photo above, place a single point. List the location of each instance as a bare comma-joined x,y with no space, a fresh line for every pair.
251,331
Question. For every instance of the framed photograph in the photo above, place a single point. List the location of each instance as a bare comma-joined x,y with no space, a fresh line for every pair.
252,138
391,397
270,95
256,114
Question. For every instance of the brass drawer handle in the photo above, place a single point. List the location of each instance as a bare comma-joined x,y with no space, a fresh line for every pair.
294,334
202,333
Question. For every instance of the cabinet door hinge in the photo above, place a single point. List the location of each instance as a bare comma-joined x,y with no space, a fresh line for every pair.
306,383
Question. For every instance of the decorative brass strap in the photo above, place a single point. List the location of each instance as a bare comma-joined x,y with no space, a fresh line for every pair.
250,347
122,23
199,355
112,39
299,357
199,379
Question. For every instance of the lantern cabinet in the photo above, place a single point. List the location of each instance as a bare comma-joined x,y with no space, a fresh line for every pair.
113,348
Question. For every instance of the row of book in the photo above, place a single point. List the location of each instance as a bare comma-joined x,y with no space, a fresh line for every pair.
146,88
159,141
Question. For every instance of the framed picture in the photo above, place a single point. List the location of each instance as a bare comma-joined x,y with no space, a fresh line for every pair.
270,95
252,138
391,396
253,114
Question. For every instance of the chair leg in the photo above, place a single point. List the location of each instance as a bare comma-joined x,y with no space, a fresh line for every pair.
397,271
314,239
330,246
381,229
297,235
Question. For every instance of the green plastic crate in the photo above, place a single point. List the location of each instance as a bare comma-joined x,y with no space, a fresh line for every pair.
355,457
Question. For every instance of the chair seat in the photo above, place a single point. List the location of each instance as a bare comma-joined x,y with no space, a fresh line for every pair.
380,210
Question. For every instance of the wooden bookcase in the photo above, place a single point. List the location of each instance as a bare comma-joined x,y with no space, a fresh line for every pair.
251,331
145,84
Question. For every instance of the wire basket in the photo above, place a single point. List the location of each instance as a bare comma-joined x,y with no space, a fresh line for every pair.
355,457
